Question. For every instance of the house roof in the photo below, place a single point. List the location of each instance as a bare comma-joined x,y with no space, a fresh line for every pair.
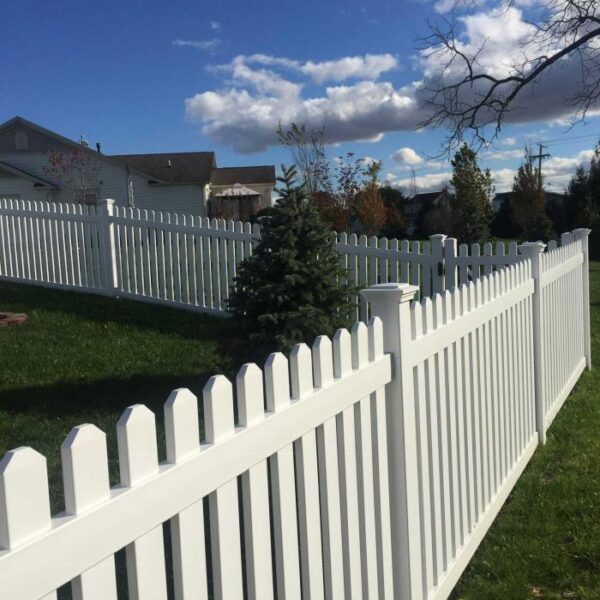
243,175
237,190
21,173
172,167
56,136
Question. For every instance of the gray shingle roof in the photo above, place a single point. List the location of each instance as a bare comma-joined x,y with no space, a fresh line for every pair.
243,175
172,167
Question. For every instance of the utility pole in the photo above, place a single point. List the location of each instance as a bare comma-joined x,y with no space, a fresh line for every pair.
413,182
540,156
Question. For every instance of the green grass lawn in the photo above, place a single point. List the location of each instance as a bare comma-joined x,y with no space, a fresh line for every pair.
84,359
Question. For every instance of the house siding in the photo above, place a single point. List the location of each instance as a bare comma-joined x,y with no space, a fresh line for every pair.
187,199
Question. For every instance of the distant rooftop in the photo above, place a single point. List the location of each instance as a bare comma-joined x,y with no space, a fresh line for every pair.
243,175
172,167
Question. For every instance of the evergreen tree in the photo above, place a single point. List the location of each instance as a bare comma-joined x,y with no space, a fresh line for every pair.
472,206
291,289
529,203
579,210
504,224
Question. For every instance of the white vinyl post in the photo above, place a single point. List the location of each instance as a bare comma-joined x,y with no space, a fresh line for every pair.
109,255
391,303
533,251
582,235
437,268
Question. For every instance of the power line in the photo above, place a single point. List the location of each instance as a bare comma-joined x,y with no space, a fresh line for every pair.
572,139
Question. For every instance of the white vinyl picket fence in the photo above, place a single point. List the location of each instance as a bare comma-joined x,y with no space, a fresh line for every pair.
190,262
368,467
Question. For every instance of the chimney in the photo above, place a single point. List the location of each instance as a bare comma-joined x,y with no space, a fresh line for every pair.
98,147
169,163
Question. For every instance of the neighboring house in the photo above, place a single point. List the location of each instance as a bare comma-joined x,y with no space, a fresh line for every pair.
38,164
420,203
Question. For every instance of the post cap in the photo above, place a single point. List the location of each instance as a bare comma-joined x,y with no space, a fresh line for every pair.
437,236
532,248
581,232
393,292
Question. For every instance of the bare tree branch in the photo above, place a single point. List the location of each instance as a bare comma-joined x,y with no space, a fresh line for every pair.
466,97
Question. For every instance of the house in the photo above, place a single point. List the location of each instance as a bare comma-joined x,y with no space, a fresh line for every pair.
38,164
420,203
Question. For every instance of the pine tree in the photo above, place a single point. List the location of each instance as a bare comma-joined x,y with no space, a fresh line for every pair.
580,210
291,289
529,203
472,206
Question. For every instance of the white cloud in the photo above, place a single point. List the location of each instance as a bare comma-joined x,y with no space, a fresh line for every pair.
206,45
503,154
215,25
247,120
407,156
367,67
370,66
557,173
446,6
259,91
509,141
425,183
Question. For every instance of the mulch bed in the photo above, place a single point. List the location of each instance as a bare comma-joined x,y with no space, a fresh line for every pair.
7,318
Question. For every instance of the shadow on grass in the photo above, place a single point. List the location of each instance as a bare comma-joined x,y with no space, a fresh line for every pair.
162,319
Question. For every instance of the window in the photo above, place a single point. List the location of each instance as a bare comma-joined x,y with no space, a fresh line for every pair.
21,141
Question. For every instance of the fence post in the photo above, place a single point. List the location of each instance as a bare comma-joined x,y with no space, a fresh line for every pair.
450,263
391,302
109,256
582,235
533,251
437,268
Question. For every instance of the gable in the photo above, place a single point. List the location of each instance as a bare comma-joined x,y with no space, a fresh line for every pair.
20,137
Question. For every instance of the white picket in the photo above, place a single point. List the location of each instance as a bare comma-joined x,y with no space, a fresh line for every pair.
182,433
85,476
342,365
223,502
380,471
307,480
255,490
329,477
24,503
138,459
285,529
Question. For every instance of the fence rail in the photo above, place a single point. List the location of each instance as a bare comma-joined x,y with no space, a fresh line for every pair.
368,467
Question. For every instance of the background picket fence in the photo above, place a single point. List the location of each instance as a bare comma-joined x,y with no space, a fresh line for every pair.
190,262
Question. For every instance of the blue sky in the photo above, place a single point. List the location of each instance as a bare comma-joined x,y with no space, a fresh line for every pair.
157,76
